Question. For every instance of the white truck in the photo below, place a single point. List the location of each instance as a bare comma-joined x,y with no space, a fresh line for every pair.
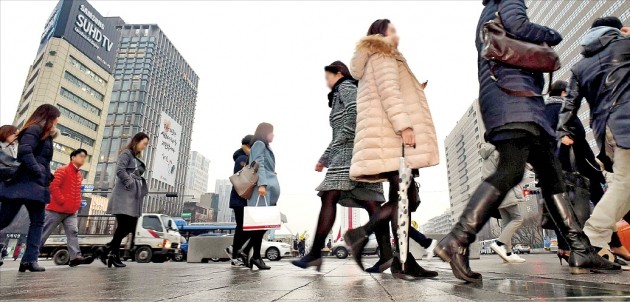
156,239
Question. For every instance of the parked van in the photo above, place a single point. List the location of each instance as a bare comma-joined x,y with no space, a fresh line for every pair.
156,239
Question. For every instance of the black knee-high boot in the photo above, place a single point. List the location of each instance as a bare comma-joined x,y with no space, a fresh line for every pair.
584,257
385,248
454,247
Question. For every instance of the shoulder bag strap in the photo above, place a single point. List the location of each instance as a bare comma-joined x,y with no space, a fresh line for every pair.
264,198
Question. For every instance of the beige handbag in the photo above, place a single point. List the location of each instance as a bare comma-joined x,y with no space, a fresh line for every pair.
244,181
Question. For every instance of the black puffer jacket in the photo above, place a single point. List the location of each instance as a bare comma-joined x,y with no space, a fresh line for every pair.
589,80
240,160
33,177
498,108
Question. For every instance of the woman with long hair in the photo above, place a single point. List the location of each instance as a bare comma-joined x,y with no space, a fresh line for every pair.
337,188
127,197
30,186
268,187
392,113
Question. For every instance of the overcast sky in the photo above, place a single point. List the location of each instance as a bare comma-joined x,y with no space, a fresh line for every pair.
263,61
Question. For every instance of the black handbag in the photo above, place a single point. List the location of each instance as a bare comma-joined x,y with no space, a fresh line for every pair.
8,166
578,189
414,206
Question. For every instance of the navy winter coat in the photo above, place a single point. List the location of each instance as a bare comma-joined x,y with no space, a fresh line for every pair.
240,159
588,81
497,107
33,177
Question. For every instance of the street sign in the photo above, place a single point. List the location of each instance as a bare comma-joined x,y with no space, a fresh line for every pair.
87,188
83,203
186,215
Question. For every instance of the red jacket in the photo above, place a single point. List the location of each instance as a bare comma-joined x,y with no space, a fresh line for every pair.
65,190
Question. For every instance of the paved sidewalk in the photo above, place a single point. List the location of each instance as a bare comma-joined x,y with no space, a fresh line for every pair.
540,279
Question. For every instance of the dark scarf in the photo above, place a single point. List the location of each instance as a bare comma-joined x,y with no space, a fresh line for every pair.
335,88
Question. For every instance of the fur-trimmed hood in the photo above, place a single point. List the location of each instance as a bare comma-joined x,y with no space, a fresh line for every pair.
368,46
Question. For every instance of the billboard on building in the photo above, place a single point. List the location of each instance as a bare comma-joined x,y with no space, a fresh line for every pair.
167,150
77,22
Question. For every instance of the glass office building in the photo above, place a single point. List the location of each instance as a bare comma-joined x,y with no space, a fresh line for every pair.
154,91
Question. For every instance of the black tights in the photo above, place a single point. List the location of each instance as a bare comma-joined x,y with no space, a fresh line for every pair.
125,225
327,216
256,242
516,153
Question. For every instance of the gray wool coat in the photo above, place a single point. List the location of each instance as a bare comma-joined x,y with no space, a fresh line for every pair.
130,187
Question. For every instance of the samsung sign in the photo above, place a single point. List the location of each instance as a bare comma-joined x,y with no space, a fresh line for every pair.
90,28
82,26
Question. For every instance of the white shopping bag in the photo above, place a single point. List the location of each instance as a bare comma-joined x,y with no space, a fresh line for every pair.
261,217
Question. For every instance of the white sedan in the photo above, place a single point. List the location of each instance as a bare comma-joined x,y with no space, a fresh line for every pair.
274,251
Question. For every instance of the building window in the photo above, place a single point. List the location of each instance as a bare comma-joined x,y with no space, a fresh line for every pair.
74,62
77,118
76,135
79,101
85,87
67,150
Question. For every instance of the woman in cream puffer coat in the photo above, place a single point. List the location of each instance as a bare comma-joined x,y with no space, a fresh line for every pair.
392,110
389,100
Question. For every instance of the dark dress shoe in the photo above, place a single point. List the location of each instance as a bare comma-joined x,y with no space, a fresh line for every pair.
308,261
380,266
412,269
114,260
31,267
77,261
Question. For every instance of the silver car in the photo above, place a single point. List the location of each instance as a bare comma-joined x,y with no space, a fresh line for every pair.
342,251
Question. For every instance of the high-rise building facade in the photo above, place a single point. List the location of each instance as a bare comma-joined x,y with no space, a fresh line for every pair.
463,162
223,189
197,175
210,201
73,71
154,91
441,224
572,18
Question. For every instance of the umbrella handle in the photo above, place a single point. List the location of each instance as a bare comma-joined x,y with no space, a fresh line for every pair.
403,148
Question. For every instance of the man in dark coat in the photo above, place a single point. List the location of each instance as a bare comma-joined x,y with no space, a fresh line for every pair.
517,127
585,160
237,203
602,78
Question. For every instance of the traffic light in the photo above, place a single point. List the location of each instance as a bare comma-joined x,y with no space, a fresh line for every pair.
526,193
